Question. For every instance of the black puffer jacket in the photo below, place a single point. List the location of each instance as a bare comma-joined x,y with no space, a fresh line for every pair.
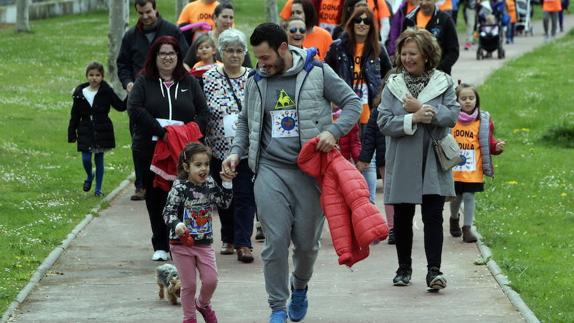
89,125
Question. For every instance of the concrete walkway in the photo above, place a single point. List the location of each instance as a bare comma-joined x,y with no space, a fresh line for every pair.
106,274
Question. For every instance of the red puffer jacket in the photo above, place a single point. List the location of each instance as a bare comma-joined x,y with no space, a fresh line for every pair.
353,221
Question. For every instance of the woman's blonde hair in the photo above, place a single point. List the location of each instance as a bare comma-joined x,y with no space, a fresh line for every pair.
426,43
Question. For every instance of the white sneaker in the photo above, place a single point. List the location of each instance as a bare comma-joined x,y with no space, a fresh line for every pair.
160,255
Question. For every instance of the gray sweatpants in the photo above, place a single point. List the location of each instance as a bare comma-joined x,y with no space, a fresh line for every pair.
289,210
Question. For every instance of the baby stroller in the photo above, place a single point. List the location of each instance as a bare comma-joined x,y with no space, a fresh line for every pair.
523,16
490,29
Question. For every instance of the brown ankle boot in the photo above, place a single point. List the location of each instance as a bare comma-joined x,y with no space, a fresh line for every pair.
467,235
455,228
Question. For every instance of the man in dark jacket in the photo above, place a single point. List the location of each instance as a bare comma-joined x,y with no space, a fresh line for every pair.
441,26
131,58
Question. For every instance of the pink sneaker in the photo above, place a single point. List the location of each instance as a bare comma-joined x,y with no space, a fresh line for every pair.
467,45
207,312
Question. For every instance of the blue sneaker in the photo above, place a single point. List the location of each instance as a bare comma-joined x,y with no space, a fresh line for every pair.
298,305
278,316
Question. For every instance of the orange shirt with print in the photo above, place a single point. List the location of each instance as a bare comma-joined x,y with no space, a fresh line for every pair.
422,20
320,39
466,135
359,85
198,11
552,6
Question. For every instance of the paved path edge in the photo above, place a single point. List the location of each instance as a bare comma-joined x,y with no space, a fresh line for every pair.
502,280
58,250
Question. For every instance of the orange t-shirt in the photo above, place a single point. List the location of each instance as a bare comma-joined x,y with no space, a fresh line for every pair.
359,84
552,6
444,5
198,11
466,136
422,20
382,12
320,39
285,13
511,8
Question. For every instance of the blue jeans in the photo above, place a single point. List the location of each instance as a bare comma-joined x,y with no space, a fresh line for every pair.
370,175
87,163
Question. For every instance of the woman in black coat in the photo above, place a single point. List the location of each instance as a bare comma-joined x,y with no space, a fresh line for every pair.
90,126
164,94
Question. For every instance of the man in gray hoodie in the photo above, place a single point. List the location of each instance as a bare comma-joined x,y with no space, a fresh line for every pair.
288,102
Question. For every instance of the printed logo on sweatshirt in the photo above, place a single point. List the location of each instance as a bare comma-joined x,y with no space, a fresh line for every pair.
284,101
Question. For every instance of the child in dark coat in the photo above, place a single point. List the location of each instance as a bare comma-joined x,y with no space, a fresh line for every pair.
90,125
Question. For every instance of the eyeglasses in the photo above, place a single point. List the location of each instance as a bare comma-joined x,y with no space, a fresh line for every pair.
236,51
367,21
166,55
294,30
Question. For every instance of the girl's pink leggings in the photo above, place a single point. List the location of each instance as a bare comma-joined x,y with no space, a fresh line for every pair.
389,209
188,260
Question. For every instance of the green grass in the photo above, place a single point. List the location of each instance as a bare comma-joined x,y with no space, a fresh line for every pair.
40,173
526,214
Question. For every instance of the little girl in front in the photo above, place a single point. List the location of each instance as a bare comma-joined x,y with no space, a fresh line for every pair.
188,214
206,55
90,124
474,132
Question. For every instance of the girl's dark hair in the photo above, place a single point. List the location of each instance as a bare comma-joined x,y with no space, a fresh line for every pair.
372,43
95,66
186,156
463,86
311,18
150,67
220,7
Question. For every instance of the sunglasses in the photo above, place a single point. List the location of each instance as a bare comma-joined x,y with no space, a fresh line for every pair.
367,21
294,30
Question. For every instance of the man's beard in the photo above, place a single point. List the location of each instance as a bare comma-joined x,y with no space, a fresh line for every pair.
279,65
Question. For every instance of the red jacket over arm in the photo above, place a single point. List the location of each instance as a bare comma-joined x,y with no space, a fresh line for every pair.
353,220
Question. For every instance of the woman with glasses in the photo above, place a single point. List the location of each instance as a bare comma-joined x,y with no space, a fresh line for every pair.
163,95
360,59
224,90
296,31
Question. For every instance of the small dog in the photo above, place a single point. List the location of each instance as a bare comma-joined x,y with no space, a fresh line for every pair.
168,278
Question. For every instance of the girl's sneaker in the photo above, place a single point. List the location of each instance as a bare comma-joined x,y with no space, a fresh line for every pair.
87,185
207,312
99,194
467,45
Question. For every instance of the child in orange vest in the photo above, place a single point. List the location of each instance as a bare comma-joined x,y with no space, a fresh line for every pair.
551,9
474,132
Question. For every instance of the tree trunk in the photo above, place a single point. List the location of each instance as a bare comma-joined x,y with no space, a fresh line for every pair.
271,11
23,16
118,20
179,4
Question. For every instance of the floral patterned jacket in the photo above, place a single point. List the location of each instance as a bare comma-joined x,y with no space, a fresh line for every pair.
194,205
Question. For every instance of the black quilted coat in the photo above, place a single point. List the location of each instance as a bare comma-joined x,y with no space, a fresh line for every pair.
89,125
